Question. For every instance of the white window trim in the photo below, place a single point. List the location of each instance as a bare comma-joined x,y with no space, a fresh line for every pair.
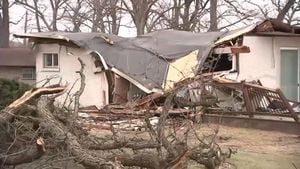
50,68
52,57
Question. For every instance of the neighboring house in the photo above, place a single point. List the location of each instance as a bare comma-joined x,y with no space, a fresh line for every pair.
121,69
17,64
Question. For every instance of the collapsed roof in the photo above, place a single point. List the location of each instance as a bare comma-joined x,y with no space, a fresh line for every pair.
145,60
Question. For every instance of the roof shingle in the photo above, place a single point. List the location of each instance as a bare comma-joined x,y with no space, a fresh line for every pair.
16,57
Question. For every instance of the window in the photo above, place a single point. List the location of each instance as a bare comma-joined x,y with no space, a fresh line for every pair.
50,60
28,73
289,73
220,62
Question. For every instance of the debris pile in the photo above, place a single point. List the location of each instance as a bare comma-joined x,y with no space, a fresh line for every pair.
194,98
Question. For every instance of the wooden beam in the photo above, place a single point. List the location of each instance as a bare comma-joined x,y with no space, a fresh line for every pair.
232,49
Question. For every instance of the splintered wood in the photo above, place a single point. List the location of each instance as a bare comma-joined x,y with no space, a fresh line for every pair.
35,93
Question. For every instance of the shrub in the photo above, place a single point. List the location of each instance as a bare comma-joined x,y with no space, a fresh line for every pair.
11,90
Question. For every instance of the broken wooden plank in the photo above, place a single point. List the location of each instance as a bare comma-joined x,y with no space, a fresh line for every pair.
231,49
146,101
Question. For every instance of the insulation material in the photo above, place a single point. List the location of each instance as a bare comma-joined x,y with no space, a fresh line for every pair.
181,69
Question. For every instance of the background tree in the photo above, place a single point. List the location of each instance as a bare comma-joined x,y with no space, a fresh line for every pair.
213,15
4,23
285,9
40,10
139,11
142,16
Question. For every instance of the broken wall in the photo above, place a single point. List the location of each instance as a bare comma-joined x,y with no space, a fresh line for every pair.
181,69
263,62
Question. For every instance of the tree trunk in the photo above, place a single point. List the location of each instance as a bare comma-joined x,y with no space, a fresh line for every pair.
114,24
54,22
213,15
175,15
285,10
140,28
37,19
186,15
140,15
4,25
25,28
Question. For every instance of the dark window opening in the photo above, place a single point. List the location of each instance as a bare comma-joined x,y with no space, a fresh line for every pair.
217,62
97,61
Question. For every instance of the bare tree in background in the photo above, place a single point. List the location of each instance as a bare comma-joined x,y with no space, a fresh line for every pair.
96,15
188,14
76,14
213,15
139,11
108,16
293,17
285,9
114,16
4,24
104,16
235,13
39,9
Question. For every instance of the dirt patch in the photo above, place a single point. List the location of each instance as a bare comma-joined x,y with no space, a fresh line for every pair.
259,149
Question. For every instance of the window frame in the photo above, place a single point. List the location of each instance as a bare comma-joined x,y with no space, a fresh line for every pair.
33,76
53,65
298,64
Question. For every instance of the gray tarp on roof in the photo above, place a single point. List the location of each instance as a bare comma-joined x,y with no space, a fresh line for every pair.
145,58
171,44
139,64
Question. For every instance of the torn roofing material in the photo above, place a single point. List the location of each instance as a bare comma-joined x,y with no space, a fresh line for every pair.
144,59
171,44
267,27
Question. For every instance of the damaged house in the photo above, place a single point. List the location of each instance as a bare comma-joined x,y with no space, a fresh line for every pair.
122,69
119,69
274,56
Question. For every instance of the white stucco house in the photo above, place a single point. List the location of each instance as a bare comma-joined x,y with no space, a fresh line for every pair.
59,62
121,69
274,56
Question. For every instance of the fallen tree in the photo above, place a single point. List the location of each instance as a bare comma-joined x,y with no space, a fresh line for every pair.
32,126
11,90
